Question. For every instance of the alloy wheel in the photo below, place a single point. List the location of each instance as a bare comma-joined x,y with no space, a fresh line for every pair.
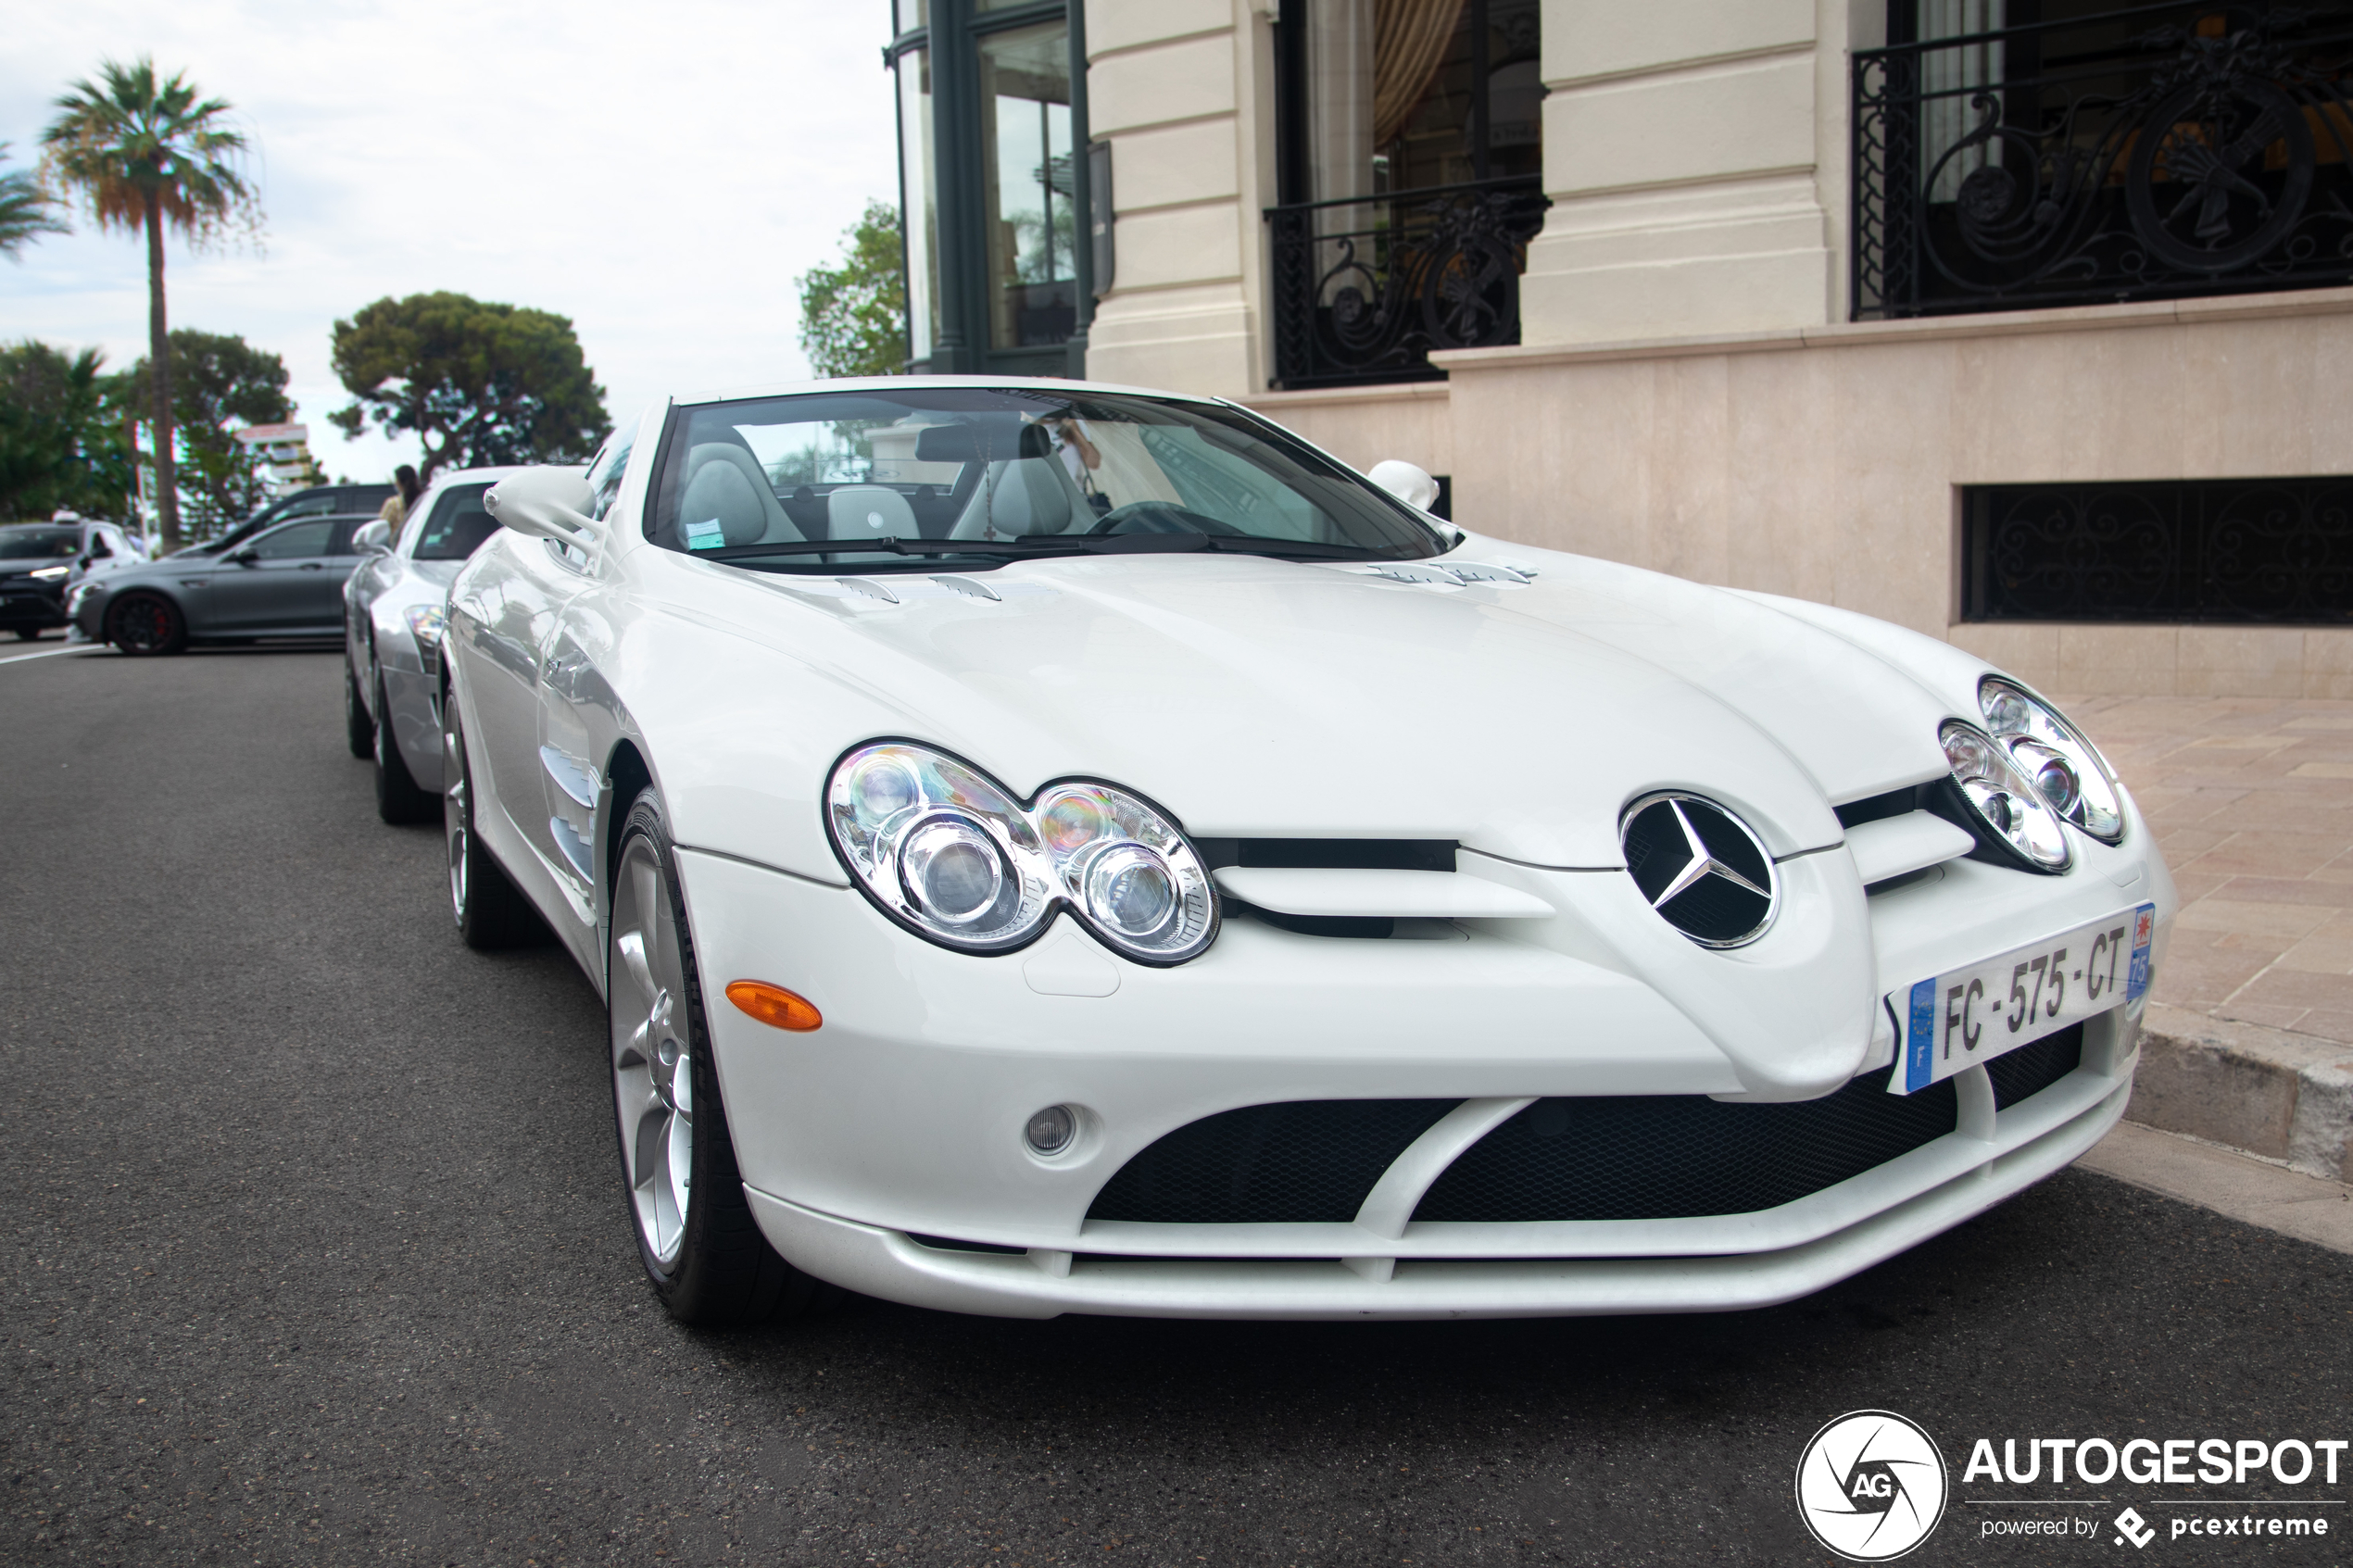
454,815
652,1064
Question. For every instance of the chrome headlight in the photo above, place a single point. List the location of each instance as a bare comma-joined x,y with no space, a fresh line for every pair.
2003,797
948,852
2065,766
425,622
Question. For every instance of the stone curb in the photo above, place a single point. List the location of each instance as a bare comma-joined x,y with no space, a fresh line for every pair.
2283,1096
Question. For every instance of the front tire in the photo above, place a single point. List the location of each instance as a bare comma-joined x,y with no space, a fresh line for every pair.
398,800
145,625
696,1236
359,730
491,911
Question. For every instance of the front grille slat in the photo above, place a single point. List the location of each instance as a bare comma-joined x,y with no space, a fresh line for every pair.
2030,1069
1676,1157
1633,1157
1304,1161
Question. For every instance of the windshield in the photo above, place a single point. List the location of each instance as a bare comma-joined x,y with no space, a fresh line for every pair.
458,525
975,477
29,543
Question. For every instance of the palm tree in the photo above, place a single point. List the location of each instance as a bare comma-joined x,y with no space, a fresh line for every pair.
24,211
144,153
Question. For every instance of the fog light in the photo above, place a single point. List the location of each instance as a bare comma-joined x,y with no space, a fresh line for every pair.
1051,1130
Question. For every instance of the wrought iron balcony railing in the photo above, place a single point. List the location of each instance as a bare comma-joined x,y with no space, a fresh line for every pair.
1366,286
2144,153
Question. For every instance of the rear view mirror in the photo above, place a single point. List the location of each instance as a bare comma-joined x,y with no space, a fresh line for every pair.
1408,484
245,556
996,441
372,537
551,503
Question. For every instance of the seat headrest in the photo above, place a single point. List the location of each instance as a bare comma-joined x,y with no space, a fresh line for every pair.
725,487
1030,496
869,511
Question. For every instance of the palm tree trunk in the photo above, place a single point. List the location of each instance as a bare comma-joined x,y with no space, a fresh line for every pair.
159,359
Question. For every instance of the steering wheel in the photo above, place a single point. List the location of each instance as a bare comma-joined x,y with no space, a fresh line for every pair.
1160,517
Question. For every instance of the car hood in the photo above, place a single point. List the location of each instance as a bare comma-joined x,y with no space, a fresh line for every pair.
1259,698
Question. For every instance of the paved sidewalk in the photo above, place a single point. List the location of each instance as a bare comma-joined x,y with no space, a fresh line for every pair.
2253,801
2249,1041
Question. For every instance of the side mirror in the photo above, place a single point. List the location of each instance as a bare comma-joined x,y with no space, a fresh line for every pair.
1412,486
245,556
372,538
551,503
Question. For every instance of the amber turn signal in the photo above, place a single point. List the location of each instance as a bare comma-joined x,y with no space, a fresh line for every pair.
773,1005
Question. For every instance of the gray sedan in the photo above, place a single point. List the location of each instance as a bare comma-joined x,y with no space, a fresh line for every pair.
286,582
392,638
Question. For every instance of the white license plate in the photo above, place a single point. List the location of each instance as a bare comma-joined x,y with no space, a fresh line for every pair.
1968,1016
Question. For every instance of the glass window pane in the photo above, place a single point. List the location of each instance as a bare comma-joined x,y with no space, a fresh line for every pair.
758,481
301,541
913,14
458,525
919,204
1025,85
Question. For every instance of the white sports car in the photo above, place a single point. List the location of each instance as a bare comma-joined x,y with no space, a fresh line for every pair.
1055,847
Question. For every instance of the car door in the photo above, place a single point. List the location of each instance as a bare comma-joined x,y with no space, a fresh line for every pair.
576,706
276,581
515,614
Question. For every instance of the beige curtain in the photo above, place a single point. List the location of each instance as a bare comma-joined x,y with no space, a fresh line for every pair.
1409,42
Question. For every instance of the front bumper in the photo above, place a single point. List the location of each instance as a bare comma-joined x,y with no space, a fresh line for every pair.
901,1117
1046,1282
36,606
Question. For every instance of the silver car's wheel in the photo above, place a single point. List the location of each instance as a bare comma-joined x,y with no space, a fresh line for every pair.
490,912
653,1078
696,1234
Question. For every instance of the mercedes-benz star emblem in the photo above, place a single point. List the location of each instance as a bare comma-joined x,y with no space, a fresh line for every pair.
1700,868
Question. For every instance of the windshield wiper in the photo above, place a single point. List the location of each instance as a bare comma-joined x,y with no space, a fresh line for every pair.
1032,546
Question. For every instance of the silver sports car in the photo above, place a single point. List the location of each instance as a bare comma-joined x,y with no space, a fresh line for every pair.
393,607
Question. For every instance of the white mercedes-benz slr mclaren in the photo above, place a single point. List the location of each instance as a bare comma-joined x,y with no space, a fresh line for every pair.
1056,847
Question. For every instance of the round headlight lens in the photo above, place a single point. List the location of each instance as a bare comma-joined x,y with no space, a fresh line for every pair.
953,871
2005,798
1130,889
2066,767
947,850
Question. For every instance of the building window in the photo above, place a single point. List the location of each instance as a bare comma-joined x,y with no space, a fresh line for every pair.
1033,280
992,107
1409,156
2020,153
2239,551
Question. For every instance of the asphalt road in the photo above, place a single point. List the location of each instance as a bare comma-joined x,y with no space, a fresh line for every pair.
316,1253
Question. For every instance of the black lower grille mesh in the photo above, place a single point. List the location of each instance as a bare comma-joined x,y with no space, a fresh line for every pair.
1301,1162
2030,1069
1672,1157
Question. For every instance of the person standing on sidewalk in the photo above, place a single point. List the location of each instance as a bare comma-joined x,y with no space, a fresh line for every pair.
395,511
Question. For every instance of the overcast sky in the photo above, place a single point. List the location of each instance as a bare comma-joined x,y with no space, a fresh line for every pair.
658,173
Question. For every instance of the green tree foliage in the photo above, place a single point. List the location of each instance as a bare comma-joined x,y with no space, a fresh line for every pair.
24,211
143,155
62,438
477,383
853,317
219,383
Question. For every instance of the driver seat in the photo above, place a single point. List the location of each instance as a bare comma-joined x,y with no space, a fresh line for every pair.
1031,496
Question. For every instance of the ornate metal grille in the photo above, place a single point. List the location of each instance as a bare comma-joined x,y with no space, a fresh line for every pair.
1366,287
2144,153
2243,550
